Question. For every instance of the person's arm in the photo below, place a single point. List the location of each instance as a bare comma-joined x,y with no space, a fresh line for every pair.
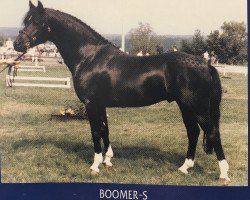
9,62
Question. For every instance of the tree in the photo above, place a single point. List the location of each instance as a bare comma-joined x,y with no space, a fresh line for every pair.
198,43
197,46
143,39
215,45
234,38
186,46
3,39
231,45
213,42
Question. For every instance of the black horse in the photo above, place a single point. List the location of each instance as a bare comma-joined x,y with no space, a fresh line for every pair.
106,77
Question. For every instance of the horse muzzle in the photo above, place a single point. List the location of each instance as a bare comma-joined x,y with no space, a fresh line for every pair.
21,46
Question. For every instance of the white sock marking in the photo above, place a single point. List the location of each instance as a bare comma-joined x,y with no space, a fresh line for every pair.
98,159
224,167
109,154
186,165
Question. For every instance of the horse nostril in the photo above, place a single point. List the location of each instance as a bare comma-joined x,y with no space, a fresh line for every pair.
17,43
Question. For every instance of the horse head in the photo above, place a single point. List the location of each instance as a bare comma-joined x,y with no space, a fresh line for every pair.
36,28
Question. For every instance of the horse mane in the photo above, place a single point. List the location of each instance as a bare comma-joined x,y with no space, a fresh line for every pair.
76,24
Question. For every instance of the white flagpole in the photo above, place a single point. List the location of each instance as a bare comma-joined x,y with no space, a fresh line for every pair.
123,34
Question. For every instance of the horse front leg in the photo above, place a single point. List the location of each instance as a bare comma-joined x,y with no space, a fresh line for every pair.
105,137
99,129
193,134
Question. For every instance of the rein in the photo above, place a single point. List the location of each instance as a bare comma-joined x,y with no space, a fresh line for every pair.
9,81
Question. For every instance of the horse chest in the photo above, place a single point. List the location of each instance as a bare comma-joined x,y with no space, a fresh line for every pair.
93,85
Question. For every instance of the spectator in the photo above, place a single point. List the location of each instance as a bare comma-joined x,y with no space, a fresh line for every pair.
206,56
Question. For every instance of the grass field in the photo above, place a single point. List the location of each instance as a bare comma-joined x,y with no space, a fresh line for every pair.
149,143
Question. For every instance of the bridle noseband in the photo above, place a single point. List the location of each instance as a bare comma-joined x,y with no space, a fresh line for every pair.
33,35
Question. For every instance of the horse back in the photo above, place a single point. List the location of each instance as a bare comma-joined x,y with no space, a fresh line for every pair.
131,81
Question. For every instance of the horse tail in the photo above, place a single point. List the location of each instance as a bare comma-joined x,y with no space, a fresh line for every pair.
214,108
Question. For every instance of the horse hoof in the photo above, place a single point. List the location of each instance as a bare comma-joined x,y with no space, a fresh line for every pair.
108,164
224,182
93,172
184,171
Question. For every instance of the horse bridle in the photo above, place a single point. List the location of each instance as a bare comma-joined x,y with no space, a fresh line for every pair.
33,36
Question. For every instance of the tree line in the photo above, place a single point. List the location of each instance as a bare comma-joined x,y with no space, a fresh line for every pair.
228,45
3,39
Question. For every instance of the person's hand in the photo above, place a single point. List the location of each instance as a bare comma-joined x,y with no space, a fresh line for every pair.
11,62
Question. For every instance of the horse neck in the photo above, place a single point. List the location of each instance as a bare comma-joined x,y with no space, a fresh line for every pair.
75,44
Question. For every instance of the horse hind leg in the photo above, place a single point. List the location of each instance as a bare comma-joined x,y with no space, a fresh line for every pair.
193,134
216,142
212,140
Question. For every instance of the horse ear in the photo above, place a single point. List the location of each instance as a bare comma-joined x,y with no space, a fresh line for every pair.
31,5
40,6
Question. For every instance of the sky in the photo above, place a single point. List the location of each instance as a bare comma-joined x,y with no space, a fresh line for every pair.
166,17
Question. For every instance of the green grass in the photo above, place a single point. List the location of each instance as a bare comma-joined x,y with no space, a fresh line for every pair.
149,143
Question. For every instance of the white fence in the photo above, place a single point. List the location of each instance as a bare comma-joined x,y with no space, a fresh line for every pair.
59,82
231,69
30,68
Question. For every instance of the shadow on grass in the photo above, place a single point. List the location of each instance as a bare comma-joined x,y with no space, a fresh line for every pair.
85,152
